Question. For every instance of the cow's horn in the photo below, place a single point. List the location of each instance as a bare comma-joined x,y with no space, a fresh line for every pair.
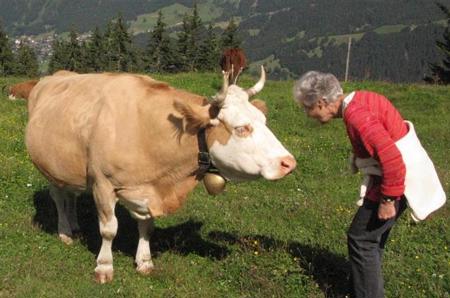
219,98
237,75
259,85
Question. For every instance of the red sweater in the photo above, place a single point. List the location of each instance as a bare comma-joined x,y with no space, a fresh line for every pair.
373,126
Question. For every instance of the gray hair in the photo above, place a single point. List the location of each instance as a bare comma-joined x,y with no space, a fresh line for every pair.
315,85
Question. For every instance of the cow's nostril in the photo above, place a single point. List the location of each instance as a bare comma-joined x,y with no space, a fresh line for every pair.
288,164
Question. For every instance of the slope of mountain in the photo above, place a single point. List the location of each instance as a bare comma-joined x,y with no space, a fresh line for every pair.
391,40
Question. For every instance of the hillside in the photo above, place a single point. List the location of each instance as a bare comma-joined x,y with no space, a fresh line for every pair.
391,40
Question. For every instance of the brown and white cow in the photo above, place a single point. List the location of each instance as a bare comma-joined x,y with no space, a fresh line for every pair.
21,90
134,140
233,61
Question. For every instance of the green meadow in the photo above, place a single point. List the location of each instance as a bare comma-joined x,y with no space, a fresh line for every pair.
257,239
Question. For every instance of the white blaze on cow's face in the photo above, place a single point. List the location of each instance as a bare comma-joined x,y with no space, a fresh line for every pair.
252,150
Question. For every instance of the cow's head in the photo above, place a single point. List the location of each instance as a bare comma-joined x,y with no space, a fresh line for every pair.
241,146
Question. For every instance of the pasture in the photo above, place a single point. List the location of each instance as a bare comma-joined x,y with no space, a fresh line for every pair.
258,239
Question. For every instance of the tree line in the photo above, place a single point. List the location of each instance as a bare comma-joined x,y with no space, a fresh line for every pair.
196,47
22,63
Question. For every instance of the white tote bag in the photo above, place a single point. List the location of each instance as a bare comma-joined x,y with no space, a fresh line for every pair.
423,190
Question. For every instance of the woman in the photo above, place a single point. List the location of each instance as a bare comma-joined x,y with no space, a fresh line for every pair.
373,126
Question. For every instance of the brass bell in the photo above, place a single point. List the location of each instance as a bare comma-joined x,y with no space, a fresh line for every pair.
214,183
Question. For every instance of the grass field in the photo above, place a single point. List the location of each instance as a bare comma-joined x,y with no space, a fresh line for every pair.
258,239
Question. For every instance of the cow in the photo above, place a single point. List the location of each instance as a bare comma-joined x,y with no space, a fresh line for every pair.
131,139
233,61
21,90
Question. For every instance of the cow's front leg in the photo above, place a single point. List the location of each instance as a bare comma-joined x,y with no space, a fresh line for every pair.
105,201
144,264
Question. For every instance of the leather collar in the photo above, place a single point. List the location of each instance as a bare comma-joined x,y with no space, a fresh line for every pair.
204,160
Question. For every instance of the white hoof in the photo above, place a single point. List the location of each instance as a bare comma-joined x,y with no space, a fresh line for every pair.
145,268
104,273
66,239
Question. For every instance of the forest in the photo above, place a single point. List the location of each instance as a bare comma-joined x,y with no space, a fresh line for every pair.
391,40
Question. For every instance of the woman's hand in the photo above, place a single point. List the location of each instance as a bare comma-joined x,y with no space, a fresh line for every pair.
386,210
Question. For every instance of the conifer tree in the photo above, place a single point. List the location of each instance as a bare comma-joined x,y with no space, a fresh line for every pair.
120,46
183,44
229,36
159,55
209,52
84,58
196,21
68,55
133,60
189,41
96,52
194,40
441,71
108,42
6,55
59,58
27,63
74,53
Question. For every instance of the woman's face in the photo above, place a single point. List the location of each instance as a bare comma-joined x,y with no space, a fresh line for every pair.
321,110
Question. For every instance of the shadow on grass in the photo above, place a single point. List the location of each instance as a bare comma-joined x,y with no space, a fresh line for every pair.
182,239
329,270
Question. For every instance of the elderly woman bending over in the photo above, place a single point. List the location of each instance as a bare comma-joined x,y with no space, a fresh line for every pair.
396,168
373,126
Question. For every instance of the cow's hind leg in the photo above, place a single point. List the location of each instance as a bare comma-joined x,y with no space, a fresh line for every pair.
105,201
67,217
144,263
72,212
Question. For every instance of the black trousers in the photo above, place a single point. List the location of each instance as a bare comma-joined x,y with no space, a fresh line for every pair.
366,238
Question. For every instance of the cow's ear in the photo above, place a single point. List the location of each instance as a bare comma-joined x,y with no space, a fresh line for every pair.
196,116
260,105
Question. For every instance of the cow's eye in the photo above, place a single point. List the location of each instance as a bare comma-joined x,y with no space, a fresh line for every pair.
243,130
